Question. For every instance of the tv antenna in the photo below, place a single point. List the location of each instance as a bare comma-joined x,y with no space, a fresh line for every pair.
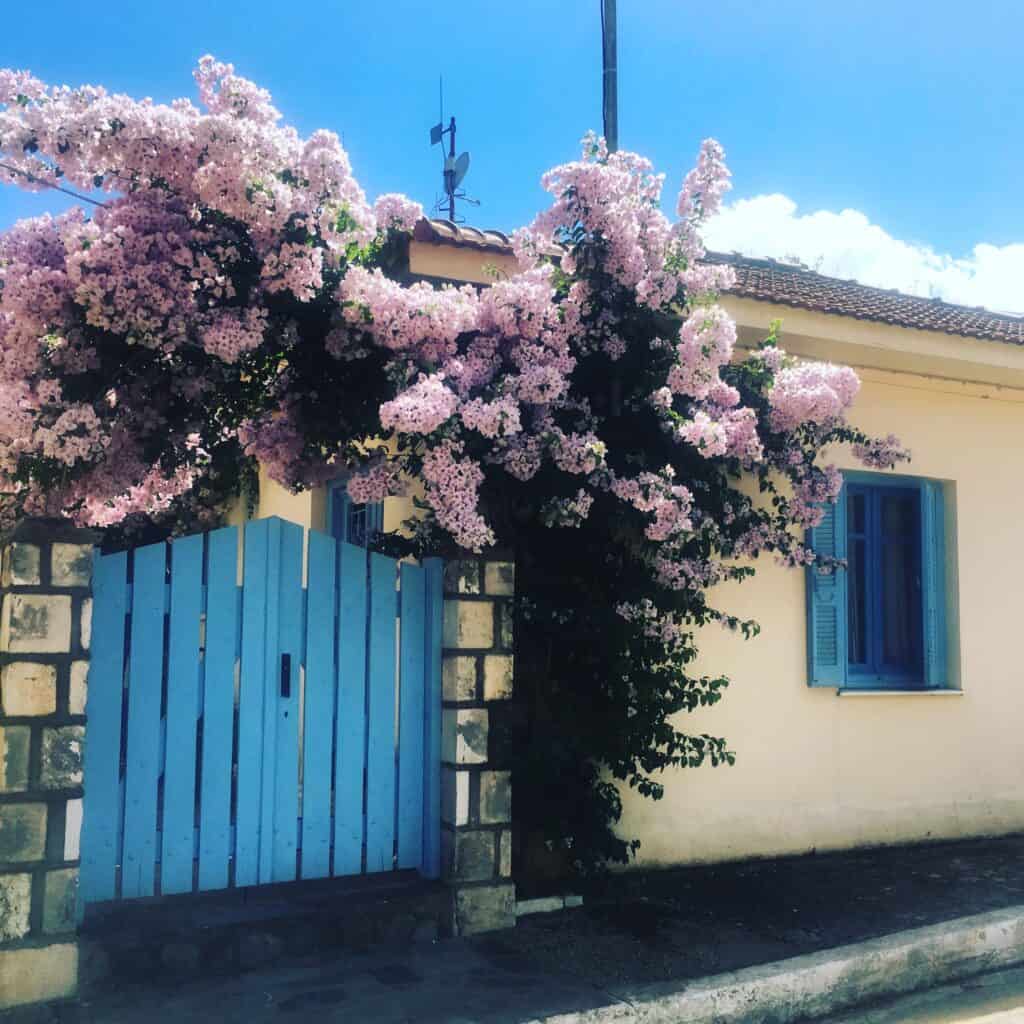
454,168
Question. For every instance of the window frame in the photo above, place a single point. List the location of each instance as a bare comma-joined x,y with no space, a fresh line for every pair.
828,594
339,505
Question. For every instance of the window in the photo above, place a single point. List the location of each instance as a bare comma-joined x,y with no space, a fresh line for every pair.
352,521
880,622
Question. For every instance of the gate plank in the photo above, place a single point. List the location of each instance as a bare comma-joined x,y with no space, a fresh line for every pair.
102,801
380,758
223,597
183,668
410,717
281,784
318,721
434,568
350,735
252,688
145,671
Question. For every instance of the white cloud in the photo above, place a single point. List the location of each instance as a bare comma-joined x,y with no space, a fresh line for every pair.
848,245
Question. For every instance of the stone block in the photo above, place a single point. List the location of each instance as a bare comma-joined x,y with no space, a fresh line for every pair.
85,626
541,905
36,623
498,676
458,677
500,579
22,832
14,741
485,908
28,688
506,625
505,854
454,796
464,735
62,757
467,856
71,565
59,895
15,906
468,624
462,577
72,829
79,690
21,565
38,974
495,797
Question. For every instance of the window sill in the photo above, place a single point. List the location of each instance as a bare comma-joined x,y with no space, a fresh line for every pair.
897,692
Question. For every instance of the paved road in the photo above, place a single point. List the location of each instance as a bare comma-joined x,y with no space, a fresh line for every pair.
990,999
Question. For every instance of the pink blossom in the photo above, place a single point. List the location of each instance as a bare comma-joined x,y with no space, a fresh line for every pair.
394,210
816,393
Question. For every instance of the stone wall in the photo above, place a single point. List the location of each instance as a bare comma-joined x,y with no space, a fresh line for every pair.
45,622
476,796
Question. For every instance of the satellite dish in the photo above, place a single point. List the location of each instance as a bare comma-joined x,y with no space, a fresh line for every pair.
461,166
435,133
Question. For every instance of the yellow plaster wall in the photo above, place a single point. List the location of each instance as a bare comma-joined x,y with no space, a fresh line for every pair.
458,264
820,771
816,770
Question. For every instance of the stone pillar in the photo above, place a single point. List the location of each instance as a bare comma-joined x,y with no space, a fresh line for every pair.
45,621
476,796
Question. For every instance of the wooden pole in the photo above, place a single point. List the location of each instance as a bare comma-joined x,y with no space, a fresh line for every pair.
610,78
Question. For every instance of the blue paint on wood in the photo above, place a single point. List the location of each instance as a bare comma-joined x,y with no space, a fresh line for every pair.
434,570
318,713
102,803
252,692
933,572
826,601
145,671
284,653
183,669
350,737
223,601
380,755
411,711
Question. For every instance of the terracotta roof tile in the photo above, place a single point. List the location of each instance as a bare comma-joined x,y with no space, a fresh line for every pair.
788,285
445,232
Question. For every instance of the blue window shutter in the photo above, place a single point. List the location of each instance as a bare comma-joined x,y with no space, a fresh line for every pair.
826,601
933,583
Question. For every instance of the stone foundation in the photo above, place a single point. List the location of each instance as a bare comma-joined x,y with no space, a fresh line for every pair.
45,617
476,796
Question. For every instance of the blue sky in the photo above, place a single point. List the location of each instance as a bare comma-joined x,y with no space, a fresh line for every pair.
905,114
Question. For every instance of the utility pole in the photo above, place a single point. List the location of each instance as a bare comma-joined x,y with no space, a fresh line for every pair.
610,79
449,172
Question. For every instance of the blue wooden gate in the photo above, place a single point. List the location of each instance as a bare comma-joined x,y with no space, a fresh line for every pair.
245,728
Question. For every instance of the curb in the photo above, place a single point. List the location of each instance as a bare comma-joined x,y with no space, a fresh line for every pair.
817,984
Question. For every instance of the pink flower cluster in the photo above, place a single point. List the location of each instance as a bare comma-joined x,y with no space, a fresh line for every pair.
394,210
226,235
669,503
420,409
881,453
815,393
669,630
453,490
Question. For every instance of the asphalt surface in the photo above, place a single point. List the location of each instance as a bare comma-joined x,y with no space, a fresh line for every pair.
651,927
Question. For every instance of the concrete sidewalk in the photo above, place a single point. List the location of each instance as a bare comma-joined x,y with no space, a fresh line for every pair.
466,982
774,940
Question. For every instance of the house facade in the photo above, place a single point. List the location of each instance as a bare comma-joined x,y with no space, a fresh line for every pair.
885,704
